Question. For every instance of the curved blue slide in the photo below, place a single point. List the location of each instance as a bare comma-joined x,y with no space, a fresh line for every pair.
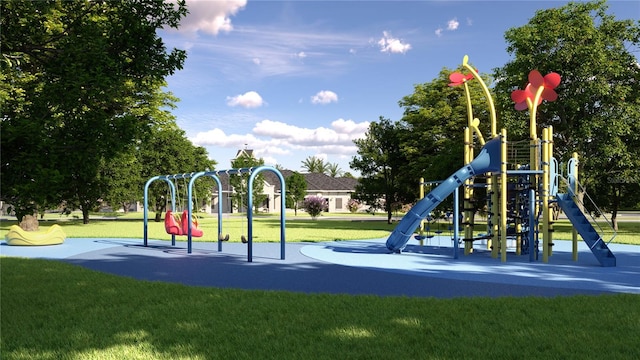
487,161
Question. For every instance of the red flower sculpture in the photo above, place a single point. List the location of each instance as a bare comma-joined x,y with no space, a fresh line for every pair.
458,79
536,81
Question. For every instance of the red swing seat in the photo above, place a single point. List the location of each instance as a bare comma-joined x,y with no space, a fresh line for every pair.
172,225
195,232
179,226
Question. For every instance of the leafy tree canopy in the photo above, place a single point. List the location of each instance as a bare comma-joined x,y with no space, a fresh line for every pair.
381,162
315,164
74,75
240,182
598,108
296,189
434,119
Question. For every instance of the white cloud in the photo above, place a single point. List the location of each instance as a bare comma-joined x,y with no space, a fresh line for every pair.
250,99
210,16
256,61
273,140
453,24
324,97
350,127
341,133
392,45
301,55
278,138
217,137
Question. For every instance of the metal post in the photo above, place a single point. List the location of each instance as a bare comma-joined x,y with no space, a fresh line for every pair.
456,221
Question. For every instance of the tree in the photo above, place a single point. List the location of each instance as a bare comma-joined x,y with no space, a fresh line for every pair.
435,116
333,170
165,151
598,106
296,189
240,182
313,164
433,123
124,174
74,73
381,163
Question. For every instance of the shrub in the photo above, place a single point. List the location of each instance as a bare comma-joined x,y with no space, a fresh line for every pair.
315,205
353,205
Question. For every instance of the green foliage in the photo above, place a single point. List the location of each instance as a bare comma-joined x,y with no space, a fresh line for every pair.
315,205
381,163
434,119
75,74
333,170
240,182
166,151
314,164
597,111
296,189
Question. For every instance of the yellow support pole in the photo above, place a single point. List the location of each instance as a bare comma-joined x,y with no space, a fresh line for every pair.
546,244
533,154
492,225
468,194
503,196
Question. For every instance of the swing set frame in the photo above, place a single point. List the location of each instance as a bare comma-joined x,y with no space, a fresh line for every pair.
253,172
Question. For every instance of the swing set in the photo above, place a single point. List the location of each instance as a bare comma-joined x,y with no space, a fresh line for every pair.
187,224
177,223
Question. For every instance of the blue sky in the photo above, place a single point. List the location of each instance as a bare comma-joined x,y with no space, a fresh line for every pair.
294,79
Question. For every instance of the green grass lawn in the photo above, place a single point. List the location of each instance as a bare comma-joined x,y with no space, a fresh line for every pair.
266,228
54,310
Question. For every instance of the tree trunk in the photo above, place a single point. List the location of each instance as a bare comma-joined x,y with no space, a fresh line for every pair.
617,193
85,215
158,216
389,216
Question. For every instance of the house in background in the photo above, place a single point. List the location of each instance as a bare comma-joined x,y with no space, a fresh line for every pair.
336,190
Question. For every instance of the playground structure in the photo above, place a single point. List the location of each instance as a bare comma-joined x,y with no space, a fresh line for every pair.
523,183
186,225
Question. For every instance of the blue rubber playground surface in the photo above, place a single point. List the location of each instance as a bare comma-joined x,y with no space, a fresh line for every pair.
351,267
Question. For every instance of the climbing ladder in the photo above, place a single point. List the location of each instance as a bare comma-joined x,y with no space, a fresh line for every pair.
581,223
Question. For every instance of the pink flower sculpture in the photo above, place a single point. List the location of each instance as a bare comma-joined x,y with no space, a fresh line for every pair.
458,79
536,81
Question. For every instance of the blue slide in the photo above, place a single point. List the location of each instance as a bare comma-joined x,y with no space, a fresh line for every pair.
487,161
